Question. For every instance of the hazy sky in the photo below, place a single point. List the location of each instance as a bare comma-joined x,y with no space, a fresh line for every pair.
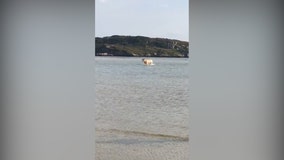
153,18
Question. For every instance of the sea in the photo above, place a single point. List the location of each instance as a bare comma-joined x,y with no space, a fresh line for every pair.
132,98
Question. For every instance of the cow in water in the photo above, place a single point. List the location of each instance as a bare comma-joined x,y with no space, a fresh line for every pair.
147,61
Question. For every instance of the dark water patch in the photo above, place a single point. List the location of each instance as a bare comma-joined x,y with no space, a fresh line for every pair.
127,141
161,137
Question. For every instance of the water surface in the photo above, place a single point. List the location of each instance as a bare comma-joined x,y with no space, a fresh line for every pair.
148,101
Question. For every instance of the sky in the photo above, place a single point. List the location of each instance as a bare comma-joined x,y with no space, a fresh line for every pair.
151,18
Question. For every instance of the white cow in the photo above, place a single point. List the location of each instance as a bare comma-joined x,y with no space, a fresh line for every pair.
147,61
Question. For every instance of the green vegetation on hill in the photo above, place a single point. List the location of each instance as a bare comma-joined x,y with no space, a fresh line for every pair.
139,46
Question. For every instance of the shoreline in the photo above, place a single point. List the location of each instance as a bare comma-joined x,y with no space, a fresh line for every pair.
120,146
145,56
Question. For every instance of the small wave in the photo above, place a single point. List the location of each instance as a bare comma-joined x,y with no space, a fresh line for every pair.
152,135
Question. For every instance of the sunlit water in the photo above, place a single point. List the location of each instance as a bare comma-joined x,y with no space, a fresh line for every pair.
132,98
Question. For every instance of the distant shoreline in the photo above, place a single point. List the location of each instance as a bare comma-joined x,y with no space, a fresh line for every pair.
140,46
145,56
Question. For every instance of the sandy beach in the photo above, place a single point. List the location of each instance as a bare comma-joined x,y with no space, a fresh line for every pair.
119,146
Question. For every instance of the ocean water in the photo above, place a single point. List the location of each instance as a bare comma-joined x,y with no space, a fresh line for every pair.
148,101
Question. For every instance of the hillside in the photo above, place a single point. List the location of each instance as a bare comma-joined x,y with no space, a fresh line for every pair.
139,46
